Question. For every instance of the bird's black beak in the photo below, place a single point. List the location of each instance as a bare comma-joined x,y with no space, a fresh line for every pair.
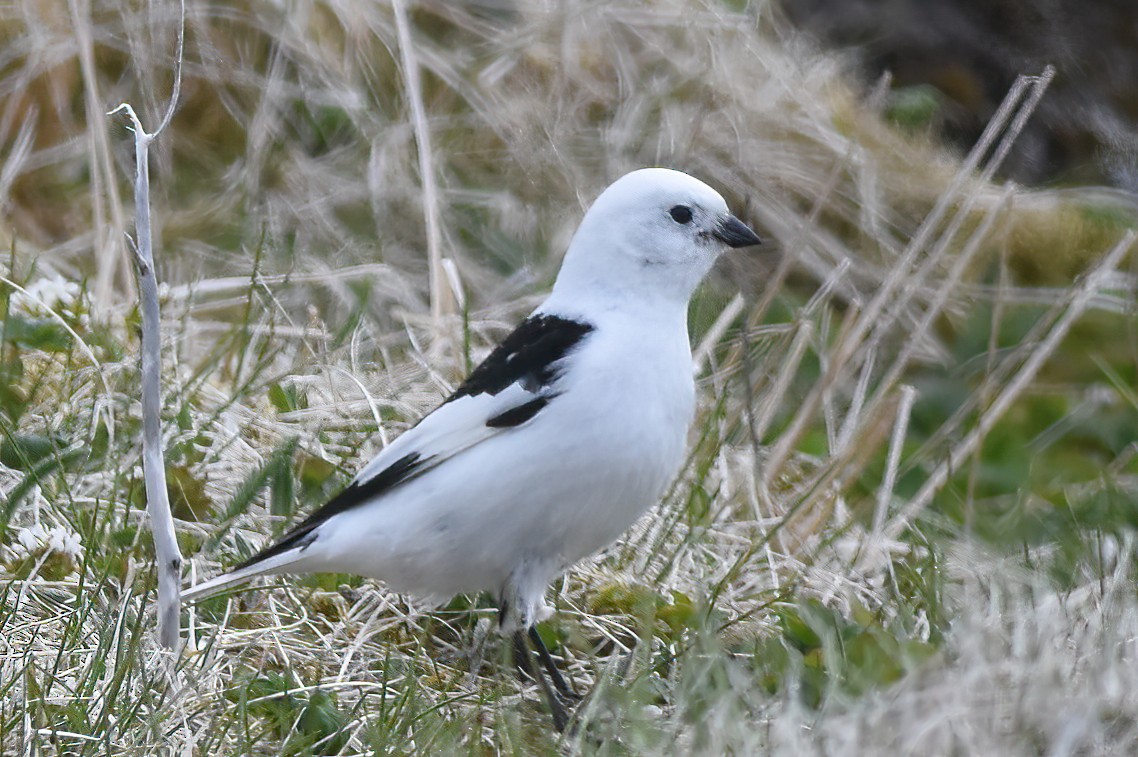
734,233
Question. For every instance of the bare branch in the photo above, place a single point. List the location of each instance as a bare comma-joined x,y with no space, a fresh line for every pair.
177,74
168,556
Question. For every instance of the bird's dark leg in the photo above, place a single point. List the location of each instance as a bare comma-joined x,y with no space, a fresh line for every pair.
524,660
550,665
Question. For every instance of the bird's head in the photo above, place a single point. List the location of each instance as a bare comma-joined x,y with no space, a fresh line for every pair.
653,233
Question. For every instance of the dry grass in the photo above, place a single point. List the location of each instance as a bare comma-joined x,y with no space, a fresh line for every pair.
903,526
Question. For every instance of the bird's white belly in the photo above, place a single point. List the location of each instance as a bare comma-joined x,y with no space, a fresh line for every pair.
531,500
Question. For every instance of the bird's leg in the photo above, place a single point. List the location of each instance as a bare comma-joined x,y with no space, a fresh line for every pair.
563,688
524,660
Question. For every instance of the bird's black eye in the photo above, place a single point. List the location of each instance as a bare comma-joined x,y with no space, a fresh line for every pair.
681,214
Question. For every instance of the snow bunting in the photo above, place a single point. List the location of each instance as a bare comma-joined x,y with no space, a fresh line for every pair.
556,443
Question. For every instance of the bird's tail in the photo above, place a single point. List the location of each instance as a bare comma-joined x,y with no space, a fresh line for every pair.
271,564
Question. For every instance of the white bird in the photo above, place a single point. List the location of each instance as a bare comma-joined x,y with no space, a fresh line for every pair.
568,432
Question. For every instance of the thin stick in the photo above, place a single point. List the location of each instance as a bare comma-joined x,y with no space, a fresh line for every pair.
168,556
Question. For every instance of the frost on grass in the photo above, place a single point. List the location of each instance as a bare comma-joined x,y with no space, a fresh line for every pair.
1025,668
52,295
38,551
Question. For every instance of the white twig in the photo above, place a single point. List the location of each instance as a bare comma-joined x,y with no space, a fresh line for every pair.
167,554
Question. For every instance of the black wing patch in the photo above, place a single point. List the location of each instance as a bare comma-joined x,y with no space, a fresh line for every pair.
355,494
516,416
528,355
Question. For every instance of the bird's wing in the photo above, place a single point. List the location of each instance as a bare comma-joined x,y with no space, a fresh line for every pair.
515,382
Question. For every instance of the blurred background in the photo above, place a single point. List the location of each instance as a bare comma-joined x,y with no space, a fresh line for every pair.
957,59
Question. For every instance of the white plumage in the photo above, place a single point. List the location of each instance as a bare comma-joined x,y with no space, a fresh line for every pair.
561,439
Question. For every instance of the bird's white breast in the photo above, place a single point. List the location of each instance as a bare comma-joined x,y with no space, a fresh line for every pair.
537,498
629,402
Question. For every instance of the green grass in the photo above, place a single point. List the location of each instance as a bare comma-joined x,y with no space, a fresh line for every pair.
781,600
